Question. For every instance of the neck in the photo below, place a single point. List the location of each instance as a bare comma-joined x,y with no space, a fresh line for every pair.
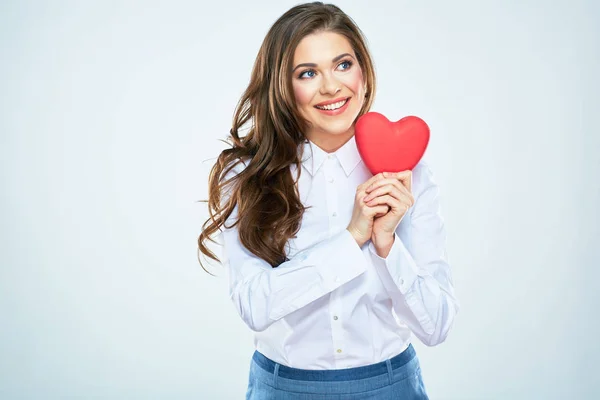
330,143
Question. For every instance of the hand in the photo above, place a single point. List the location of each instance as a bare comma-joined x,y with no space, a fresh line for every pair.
361,224
394,191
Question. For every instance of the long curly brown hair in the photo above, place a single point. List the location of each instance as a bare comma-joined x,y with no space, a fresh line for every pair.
266,194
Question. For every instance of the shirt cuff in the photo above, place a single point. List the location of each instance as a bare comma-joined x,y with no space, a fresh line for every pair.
399,263
340,261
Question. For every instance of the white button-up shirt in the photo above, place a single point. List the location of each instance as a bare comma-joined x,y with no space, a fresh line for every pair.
336,305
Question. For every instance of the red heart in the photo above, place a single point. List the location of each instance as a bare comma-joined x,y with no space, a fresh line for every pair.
388,146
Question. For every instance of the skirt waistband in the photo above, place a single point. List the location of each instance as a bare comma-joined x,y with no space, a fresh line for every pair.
363,372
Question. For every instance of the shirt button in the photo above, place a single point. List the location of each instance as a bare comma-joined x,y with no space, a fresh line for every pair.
339,350
330,180
334,214
337,279
335,317
401,281
331,156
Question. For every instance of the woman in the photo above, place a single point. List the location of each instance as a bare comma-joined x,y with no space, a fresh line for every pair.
332,267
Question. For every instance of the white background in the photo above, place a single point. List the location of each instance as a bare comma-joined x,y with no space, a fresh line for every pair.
108,110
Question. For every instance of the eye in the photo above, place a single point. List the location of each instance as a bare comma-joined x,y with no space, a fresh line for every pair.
306,72
346,62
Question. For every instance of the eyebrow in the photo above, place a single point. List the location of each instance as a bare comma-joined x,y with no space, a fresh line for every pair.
315,65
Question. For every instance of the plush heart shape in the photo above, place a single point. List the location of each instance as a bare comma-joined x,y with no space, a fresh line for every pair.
387,146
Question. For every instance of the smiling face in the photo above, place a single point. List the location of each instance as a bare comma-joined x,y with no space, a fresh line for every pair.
329,88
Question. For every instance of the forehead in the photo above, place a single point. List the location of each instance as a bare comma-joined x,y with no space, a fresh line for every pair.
321,47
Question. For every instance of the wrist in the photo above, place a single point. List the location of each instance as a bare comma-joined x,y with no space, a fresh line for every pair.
356,238
382,239
383,244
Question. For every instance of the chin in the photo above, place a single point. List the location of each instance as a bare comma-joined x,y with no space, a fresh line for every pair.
338,127
339,130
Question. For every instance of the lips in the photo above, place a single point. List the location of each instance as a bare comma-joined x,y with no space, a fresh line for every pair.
325,103
333,104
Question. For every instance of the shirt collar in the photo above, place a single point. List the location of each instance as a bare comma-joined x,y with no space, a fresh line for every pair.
348,156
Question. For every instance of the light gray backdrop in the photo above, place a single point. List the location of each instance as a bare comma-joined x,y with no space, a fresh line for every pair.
109,108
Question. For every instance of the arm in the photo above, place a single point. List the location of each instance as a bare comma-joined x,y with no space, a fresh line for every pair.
417,274
262,294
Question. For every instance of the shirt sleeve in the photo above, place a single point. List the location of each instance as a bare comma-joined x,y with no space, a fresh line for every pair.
417,273
262,294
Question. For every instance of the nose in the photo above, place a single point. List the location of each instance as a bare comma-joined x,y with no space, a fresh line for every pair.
330,85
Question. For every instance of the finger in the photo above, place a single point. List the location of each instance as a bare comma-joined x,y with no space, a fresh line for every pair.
385,182
406,178
391,185
372,179
381,211
398,193
396,204
385,199
375,210
361,190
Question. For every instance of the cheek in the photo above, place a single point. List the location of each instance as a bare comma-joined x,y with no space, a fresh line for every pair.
303,95
354,81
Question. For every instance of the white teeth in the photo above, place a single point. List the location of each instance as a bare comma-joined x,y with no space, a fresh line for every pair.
333,106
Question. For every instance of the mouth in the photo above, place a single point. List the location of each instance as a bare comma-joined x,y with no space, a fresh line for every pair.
333,106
